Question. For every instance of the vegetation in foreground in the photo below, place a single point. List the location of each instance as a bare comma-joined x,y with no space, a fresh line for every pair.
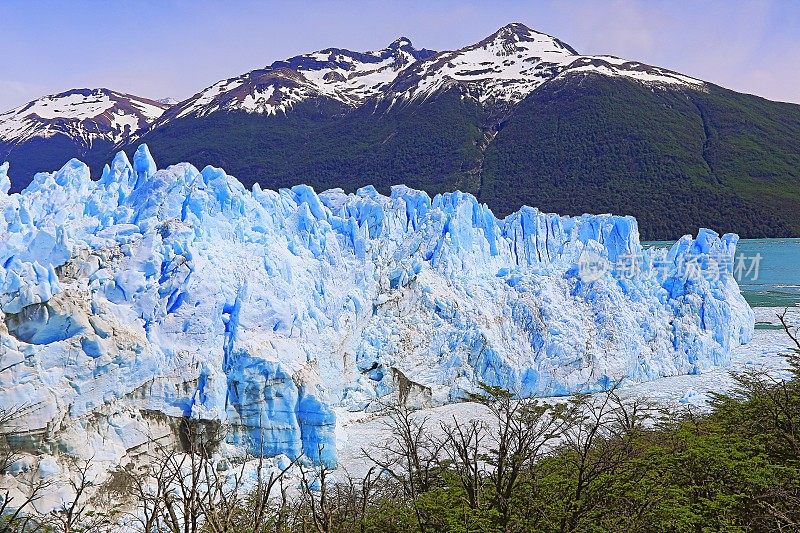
593,464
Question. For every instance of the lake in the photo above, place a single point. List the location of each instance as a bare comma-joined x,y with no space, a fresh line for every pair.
778,281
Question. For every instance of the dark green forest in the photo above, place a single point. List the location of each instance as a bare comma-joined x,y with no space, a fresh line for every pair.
676,160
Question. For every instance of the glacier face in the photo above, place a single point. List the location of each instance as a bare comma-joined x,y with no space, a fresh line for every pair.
180,292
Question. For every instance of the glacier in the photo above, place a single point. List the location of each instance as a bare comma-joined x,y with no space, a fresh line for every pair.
177,294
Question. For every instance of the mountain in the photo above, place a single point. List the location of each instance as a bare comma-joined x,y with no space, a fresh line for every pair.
510,64
673,158
43,134
519,118
505,67
341,76
150,297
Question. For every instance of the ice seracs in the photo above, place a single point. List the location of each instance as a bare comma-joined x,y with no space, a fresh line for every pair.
5,181
151,295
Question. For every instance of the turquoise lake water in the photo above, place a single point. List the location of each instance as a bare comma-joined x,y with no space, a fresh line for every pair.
776,280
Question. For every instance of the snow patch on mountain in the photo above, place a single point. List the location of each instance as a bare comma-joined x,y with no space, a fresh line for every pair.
181,294
507,65
614,66
503,68
71,106
342,75
84,115
513,62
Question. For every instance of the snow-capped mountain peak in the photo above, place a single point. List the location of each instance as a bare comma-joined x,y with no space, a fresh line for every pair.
502,68
511,63
507,65
400,42
83,115
517,34
343,75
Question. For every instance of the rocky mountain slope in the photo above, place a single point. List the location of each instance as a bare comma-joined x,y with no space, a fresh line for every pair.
342,76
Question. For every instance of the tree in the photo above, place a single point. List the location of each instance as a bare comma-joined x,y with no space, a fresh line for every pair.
410,455
597,443
462,447
78,514
17,513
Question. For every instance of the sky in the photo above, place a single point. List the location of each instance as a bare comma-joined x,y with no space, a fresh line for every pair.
175,48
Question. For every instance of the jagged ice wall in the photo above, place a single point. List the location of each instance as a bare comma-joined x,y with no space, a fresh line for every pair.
178,291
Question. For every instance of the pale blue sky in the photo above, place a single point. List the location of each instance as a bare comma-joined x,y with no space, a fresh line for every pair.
175,48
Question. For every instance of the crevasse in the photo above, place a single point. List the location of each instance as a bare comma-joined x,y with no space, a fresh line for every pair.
181,292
